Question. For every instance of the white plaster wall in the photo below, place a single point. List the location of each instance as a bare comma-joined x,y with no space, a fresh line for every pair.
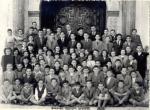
142,21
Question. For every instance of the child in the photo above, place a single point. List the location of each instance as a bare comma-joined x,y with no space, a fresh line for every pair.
26,93
77,94
29,77
89,92
40,94
97,77
50,76
64,97
110,81
53,90
120,94
9,73
38,74
90,61
137,96
19,72
7,58
85,76
101,96
65,56
87,43
72,77
17,87
6,92
125,77
49,58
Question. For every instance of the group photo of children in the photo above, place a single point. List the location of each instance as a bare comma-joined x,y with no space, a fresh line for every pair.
63,67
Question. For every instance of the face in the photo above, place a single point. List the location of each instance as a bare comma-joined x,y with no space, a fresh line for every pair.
74,63
71,70
120,84
77,87
62,35
40,33
54,82
19,66
113,54
58,30
81,54
96,70
65,85
104,53
78,45
79,68
8,51
124,71
89,84
65,50
109,64
40,51
72,36
109,73
9,67
20,32
97,63
136,86
34,24
101,86
130,57
73,55
57,64
37,67
65,67
128,49
128,39
107,39
95,53
57,49
139,48
68,27
48,31
112,33
105,31
28,72
134,32
123,52
133,75
93,28
118,37
51,71
80,32
17,82
84,63
71,50
86,36
47,70
40,83
105,69
33,59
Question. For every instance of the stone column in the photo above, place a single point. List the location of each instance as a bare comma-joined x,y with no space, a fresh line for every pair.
18,14
128,16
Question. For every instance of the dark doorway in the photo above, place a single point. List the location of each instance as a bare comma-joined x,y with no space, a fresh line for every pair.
76,13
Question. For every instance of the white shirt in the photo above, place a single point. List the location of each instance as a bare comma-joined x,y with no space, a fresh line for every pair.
108,80
43,95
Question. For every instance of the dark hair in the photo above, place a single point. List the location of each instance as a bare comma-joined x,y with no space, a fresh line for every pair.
9,30
7,49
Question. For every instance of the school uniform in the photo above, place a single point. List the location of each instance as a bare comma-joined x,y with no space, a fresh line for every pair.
84,77
72,43
62,43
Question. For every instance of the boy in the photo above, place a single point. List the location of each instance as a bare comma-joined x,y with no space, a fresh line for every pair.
85,76
26,93
125,78
89,92
6,92
120,94
137,96
110,81
9,73
101,96
97,77
53,90
64,97
77,94
40,94
17,87
87,43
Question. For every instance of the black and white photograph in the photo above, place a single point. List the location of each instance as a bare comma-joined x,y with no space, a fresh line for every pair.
74,54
